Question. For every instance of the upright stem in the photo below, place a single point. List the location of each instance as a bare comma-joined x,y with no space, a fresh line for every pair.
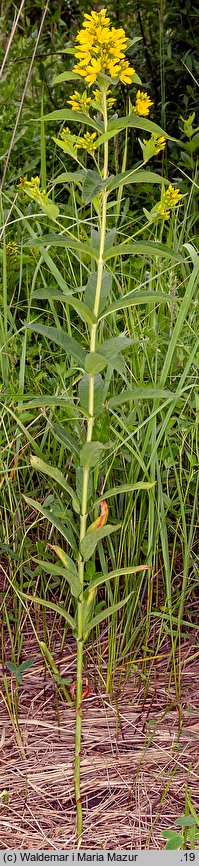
83,516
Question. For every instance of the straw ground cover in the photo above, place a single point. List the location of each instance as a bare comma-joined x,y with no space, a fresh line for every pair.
99,367
135,769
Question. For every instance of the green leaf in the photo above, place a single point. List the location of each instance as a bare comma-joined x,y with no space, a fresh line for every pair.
93,185
83,390
134,298
119,572
185,821
182,315
67,147
144,248
106,354
134,176
50,295
93,536
34,402
100,617
111,348
50,605
175,843
132,121
91,290
53,568
18,670
133,41
27,664
50,209
70,177
70,346
57,475
90,454
83,311
58,240
75,117
65,531
63,435
53,268
66,76
145,393
81,308
125,488
94,363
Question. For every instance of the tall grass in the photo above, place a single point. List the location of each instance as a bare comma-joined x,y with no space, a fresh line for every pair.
136,409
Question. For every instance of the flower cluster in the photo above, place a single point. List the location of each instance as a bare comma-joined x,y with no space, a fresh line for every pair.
12,250
87,142
33,186
32,189
169,200
152,146
101,48
96,94
142,104
79,102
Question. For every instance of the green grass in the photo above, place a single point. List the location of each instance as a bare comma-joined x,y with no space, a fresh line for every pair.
147,416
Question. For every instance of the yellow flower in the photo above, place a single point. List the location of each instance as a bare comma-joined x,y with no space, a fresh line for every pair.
126,72
32,189
87,142
152,146
12,250
96,94
169,200
142,103
165,214
79,102
101,48
33,186
160,142
172,196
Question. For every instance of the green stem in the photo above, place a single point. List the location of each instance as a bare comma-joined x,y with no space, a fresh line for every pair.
84,502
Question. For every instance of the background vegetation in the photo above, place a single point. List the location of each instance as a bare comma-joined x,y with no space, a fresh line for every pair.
155,438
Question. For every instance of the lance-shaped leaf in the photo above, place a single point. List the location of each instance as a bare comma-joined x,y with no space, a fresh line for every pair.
56,570
143,248
134,298
58,240
49,605
139,175
64,530
119,572
90,454
66,76
107,353
93,536
93,185
68,148
57,475
146,393
100,617
90,289
64,435
83,390
132,121
70,177
125,488
75,116
57,335
31,402
81,308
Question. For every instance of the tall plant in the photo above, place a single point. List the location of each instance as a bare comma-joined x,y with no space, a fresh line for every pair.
100,59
